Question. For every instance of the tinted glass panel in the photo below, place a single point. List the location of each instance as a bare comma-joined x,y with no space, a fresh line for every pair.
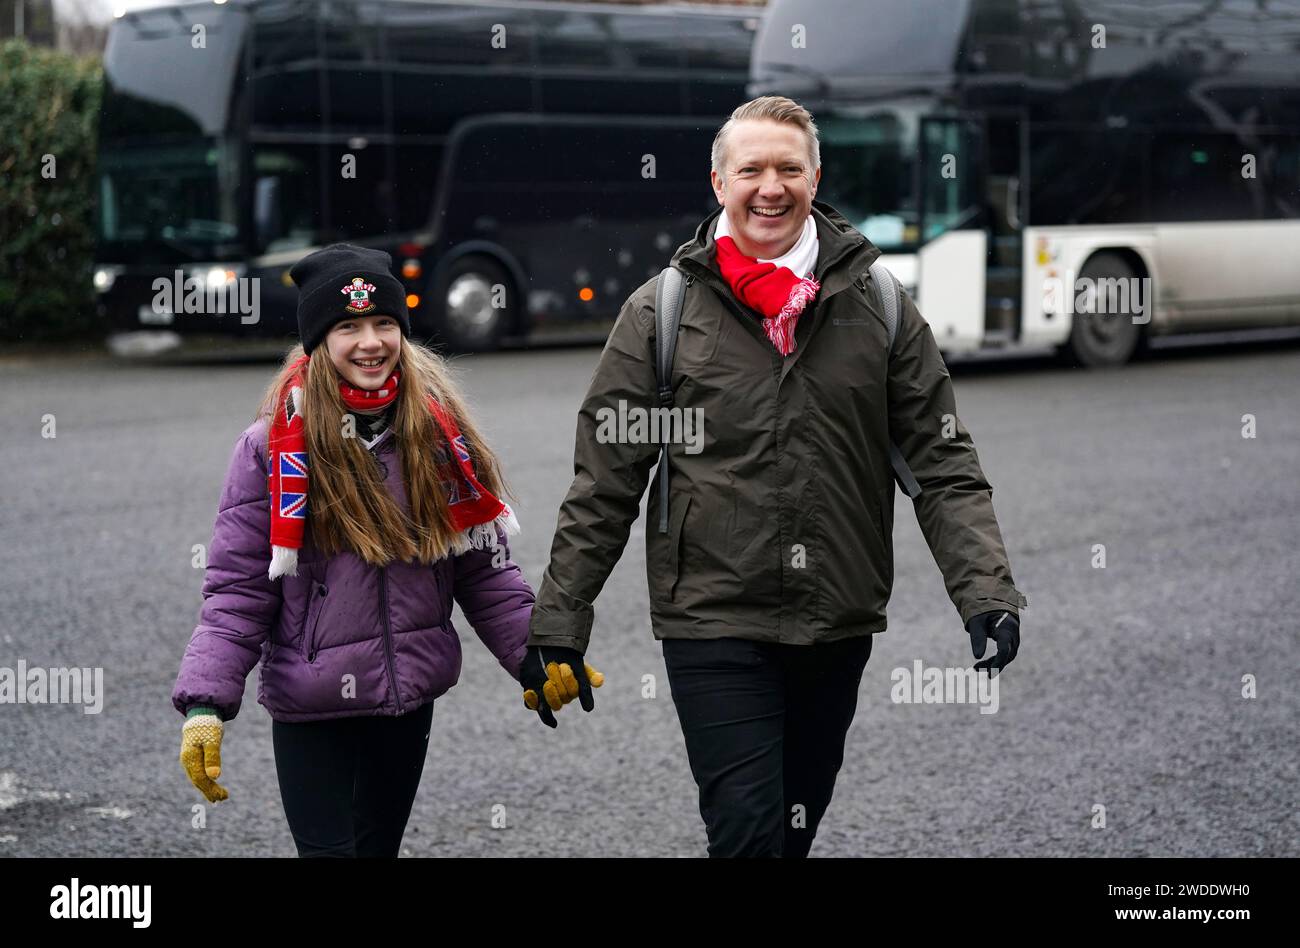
1198,177
352,43
361,203
286,67
1083,176
918,36
646,42
172,197
466,36
158,82
867,174
574,39
1279,167
287,198
416,169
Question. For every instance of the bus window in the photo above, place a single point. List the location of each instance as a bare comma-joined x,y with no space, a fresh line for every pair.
947,175
416,169
715,48
286,77
179,197
995,42
1279,166
287,197
360,189
648,42
445,65
447,37
867,174
1080,178
1198,177
354,72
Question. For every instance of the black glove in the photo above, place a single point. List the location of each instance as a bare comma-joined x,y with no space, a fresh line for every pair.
552,676
1004,629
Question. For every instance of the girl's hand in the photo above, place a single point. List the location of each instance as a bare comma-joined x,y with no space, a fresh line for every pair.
201,754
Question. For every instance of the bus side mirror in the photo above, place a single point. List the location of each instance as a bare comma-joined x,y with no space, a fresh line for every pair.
266,211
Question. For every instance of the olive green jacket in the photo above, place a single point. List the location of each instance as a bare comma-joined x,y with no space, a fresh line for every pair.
780,527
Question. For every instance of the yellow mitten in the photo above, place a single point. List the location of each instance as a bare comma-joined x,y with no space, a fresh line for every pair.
553,676
201,754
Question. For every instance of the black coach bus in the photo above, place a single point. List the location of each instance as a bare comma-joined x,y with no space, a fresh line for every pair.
525,163
1029,165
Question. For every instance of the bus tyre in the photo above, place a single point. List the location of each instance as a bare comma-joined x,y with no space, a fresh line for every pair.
1100,339
475,305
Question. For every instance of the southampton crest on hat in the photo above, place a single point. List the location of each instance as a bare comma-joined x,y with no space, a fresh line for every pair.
358,294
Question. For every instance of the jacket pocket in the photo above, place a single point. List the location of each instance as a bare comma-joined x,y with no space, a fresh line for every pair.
444,584
311,618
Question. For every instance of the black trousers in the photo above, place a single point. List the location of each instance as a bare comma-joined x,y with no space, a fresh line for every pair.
348,784
764,726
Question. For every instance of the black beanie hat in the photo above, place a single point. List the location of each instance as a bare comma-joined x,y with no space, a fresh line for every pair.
341,282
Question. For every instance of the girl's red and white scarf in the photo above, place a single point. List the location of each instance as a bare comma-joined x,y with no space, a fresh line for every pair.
779,288
475,513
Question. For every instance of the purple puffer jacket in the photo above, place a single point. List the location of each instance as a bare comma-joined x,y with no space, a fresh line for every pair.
345,638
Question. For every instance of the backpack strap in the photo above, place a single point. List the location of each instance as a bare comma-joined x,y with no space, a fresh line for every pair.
670,296
887,285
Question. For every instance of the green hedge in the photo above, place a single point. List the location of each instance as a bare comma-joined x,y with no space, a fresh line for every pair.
49,105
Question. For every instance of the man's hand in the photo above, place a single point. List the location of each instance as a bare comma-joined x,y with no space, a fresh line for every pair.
553,676
1004,629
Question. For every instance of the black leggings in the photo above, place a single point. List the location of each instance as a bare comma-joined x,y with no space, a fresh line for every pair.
347,784
764,726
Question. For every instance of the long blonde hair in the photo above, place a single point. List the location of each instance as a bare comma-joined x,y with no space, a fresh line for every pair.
349,505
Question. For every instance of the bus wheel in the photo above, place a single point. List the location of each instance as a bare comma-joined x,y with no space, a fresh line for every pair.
1102,338
477,305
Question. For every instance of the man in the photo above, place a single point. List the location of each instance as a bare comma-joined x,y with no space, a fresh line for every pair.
777,563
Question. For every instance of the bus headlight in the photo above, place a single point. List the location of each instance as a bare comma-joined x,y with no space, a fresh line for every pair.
104,278
218,277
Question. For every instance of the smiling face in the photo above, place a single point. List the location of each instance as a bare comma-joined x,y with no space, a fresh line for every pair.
365,349
767,185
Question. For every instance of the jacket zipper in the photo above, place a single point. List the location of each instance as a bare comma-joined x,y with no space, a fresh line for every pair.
383,607
753,319
388,635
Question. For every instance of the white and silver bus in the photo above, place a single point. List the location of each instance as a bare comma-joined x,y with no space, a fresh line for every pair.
1083,174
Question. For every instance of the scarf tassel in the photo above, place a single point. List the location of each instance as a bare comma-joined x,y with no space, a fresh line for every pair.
483,536
284,562
780,328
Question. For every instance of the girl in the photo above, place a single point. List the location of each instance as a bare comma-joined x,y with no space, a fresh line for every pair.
363,439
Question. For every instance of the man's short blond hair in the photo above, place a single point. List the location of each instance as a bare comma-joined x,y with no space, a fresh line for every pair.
777,108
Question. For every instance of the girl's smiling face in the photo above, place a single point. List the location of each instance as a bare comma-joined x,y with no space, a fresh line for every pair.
364,349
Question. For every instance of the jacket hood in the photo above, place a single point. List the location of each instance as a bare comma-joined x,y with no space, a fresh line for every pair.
843,251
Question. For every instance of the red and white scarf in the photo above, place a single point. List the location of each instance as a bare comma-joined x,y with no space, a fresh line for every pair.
475,513
779,288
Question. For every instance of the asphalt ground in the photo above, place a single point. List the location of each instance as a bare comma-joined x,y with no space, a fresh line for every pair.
1127,693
